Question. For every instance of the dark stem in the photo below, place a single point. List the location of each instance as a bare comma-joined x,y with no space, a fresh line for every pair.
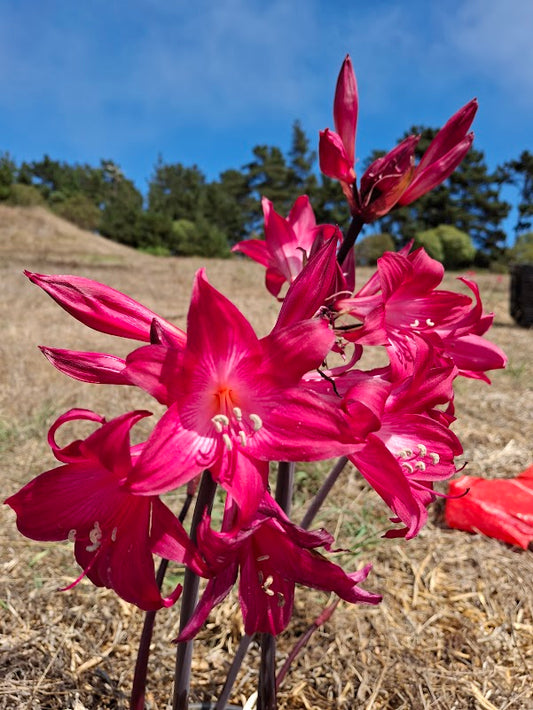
234,669
349,240
138,689
266,699
323,492
182,677
284,485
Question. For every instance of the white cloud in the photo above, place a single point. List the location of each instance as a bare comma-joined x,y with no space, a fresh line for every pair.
494,38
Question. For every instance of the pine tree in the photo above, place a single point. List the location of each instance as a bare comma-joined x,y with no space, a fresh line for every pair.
519,173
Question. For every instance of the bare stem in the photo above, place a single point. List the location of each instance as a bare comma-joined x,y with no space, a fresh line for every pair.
182,677
234,669
323,492
349,240
266,699
138,689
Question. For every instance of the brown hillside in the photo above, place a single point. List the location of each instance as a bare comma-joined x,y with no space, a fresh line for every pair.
35,233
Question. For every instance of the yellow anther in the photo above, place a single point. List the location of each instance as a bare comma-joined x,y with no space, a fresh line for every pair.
422,449
114,534
434,457
242,437
420,466
408,467
238,413
71,537
262,558
430,322
227,440
415,323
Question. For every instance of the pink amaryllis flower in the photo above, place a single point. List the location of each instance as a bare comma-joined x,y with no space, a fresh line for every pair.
402,460
235,401
86,501
401,307
288,243
272,555
403,442
393,178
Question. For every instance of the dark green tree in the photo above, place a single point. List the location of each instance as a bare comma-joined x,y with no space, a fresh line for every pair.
519,173
176,190
267,176
121,207
223,204
329,203
301,178
8,171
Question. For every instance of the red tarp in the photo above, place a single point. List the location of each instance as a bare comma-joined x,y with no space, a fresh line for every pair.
500,507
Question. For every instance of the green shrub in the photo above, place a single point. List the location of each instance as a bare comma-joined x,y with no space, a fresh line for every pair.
79,210
369,249
431,242
522,252
25,196
448,245
198,238
458,248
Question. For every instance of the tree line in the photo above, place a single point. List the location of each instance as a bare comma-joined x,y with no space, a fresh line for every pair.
183,213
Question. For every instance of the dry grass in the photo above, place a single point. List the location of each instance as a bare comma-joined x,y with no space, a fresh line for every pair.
455,629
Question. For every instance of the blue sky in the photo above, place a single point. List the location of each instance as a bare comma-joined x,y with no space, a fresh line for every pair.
202,83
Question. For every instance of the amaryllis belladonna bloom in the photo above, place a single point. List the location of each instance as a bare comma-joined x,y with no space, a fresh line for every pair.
235,401
391,179
272,555
288,243
404,443
401,305
86,501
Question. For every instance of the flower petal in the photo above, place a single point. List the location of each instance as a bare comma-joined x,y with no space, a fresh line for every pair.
97,368
101,307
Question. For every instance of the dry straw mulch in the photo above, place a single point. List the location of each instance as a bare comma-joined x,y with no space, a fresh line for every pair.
455,629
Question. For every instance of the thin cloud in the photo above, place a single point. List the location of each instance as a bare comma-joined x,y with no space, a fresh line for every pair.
494,39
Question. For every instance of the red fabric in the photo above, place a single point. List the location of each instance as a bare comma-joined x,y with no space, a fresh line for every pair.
501,508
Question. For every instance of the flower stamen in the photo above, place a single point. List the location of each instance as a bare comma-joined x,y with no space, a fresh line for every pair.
256,420
95,536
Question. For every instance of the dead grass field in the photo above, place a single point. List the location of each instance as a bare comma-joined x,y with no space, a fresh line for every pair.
455,629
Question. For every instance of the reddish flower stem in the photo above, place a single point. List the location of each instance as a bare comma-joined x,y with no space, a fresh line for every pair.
138,690
182,677
304,640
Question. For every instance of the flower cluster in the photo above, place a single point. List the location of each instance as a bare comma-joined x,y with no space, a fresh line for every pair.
235,401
